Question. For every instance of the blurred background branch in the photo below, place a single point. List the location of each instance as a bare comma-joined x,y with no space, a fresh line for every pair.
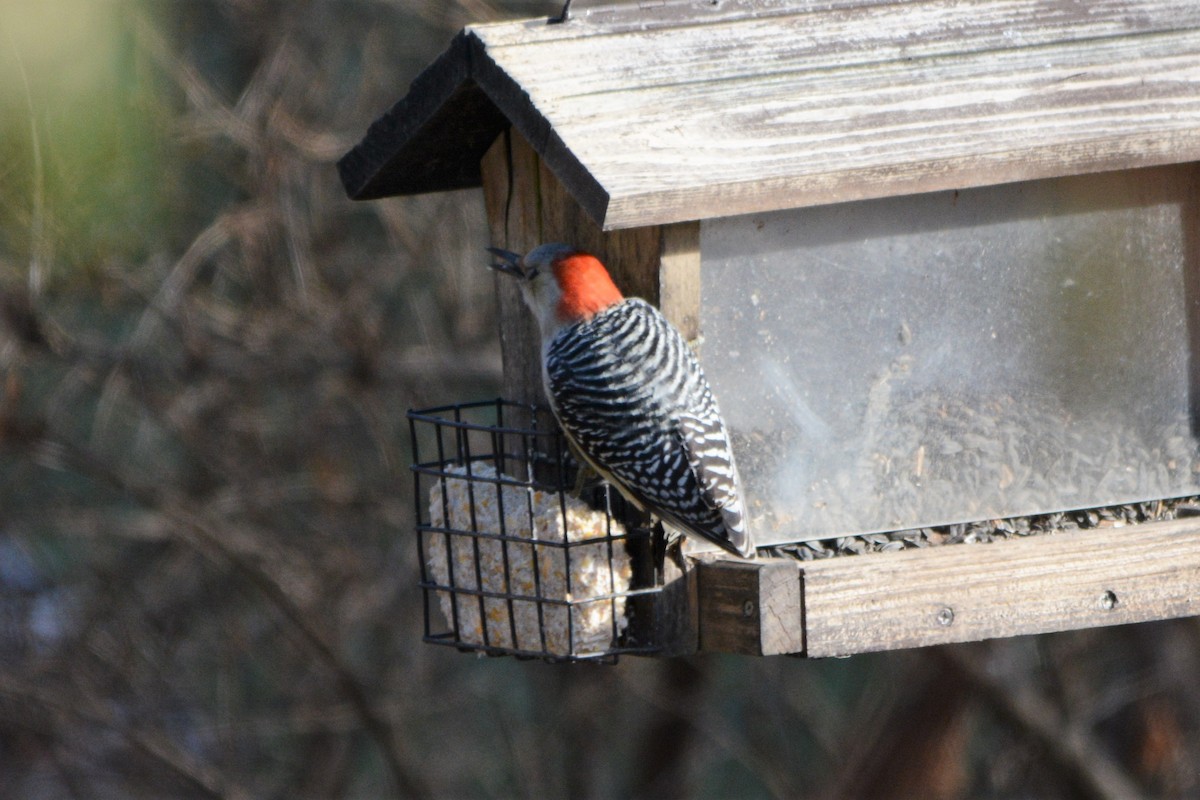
207,576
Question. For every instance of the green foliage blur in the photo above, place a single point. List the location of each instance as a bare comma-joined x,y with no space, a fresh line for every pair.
82,135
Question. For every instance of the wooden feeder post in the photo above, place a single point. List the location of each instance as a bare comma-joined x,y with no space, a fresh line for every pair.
764,141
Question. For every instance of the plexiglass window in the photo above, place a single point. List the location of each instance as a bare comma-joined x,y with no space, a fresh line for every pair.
958,356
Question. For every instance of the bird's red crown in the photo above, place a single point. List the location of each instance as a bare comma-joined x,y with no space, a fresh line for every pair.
586,287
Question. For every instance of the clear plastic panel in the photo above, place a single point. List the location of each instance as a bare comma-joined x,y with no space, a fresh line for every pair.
957,356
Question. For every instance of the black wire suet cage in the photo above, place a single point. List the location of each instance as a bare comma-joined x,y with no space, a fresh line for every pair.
513,560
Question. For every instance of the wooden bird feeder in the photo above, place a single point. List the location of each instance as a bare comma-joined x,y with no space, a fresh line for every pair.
941,261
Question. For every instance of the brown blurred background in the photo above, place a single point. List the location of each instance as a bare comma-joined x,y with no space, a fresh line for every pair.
207,572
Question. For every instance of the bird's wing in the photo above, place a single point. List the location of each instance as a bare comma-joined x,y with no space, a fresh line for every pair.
706,444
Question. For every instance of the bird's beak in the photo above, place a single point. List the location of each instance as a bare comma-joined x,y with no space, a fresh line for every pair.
509,263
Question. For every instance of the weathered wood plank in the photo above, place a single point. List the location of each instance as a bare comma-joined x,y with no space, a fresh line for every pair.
750,607
856,102
679,277
621,17
677,626
1039,584
754,47
509,168
679,114
1157,68
848,134
673,15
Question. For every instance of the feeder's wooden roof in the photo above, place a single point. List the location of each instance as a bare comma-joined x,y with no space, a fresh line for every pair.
693,110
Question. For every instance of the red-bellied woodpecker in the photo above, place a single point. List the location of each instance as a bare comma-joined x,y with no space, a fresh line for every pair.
630,395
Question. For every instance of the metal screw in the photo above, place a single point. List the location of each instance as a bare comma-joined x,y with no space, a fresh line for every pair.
945,617
748,608
1108,600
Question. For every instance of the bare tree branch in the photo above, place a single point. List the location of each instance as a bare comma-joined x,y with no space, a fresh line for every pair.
1076,752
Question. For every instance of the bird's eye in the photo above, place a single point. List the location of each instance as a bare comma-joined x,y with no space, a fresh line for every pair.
533,273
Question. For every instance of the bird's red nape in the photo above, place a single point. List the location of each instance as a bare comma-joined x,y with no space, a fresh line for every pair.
586,287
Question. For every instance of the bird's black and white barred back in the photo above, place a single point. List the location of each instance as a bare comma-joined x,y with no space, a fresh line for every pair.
632,397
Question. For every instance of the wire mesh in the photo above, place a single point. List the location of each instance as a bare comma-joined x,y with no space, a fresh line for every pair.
511,562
